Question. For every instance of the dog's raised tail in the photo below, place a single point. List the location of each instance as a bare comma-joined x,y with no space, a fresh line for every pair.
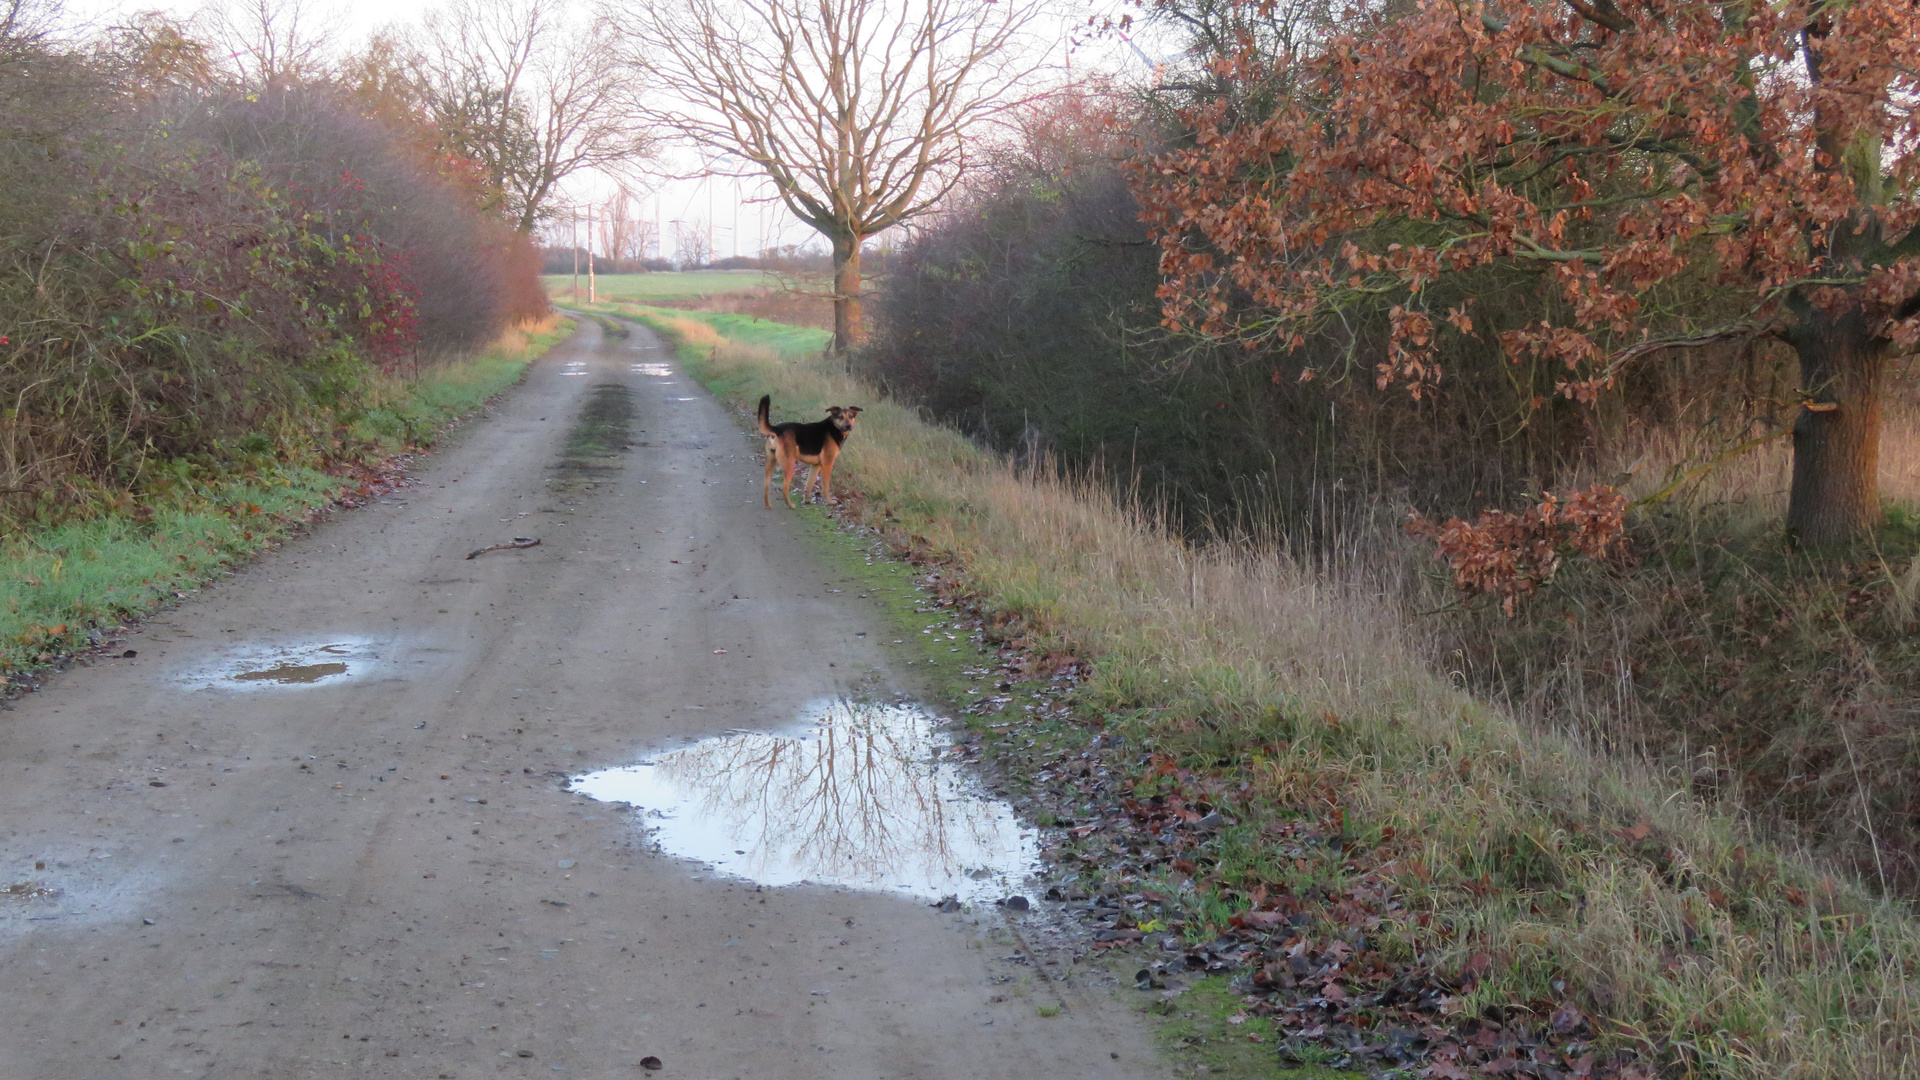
766,406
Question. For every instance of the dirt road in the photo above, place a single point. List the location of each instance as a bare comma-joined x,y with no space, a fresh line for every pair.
364,861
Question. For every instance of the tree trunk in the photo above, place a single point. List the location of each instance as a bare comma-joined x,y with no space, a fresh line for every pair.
848,328
1836,439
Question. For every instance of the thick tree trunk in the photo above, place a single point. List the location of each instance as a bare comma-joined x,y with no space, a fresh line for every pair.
1836,439
848,328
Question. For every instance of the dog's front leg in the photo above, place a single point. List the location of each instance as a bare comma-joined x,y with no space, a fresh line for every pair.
826,478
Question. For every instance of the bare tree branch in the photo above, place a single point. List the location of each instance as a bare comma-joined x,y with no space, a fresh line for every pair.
856,110
272,42
530,98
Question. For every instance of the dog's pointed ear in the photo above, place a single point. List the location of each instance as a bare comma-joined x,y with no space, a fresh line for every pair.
834,410
852,411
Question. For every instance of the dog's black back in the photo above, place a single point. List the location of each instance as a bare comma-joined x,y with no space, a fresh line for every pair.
810,438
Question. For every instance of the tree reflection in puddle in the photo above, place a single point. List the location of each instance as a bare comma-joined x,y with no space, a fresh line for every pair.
859,797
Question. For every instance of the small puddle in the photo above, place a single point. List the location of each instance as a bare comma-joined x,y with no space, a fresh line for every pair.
861,795
293,673
307,664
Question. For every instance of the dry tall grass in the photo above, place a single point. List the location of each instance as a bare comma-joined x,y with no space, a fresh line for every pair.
1759,476
1754,672
1724,954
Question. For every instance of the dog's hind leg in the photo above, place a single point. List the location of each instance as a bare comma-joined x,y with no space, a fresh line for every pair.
786,482
766,489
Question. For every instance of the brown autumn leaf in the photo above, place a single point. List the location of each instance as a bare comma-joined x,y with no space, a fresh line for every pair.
1567,1019
1259,920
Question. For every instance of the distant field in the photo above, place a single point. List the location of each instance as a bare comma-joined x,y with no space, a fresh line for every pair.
666,286
754,293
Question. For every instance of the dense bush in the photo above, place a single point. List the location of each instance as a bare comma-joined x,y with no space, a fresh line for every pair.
466,273
1026,313
191,272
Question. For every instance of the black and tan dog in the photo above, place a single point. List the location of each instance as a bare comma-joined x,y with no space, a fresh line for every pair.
817,444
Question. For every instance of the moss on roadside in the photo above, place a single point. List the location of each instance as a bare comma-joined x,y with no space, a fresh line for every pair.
1207,1027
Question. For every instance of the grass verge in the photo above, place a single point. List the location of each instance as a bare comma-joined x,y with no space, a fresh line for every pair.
1528,903
66,586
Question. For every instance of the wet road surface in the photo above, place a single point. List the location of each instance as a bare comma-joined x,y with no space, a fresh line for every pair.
320,825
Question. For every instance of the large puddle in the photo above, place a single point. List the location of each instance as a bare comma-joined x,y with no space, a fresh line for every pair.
859,795
271,666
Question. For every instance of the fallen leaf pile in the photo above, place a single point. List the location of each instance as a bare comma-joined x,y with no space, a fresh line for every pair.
364,483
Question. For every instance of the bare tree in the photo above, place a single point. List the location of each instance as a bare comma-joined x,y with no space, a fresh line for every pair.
856,110
692,243
530,97
623,235
25,22
156,53
272,42
646,238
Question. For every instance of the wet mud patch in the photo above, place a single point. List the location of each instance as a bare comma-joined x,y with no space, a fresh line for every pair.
598,438
73,887
861,795
261,667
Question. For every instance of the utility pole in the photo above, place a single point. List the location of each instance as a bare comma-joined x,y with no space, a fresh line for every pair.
575,244
593,295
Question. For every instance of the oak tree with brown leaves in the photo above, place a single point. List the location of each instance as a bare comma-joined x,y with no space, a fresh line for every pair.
1625,151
